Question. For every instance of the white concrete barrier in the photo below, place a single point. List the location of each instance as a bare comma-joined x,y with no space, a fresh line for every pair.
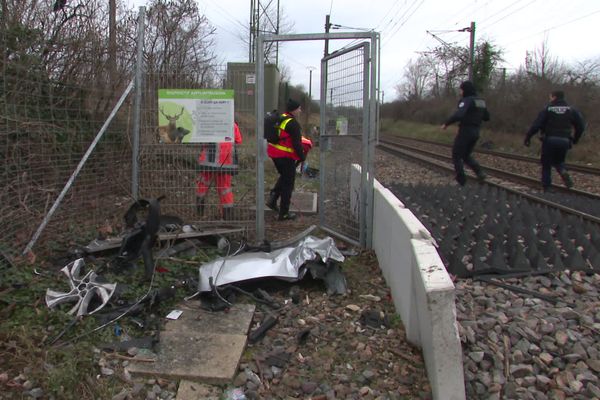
422,291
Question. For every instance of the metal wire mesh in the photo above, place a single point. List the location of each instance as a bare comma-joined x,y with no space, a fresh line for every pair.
342,142
172,169
45,128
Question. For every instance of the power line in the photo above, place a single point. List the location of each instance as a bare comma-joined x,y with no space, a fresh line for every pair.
386,14
391,20
406,17
554,27
225,14
482,21
508,15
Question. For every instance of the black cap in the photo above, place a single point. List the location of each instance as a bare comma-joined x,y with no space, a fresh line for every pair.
468,88
559,94
292,105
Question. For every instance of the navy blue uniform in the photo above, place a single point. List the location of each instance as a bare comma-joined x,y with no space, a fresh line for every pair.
556,123
470,113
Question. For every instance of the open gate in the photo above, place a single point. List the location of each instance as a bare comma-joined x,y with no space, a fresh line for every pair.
345,143
348,131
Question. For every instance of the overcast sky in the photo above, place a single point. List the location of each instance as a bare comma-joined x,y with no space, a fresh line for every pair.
570,28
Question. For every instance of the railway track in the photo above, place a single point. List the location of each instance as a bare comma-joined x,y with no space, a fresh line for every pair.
579,203
492,229
501,154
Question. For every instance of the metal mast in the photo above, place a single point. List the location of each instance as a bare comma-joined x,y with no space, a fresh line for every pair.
264,18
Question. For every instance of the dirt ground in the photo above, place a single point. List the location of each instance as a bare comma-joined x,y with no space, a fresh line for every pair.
340,346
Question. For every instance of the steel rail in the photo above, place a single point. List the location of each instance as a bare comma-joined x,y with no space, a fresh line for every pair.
526,180
436,163
519,157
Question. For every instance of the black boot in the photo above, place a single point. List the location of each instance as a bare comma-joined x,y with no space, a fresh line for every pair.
288,216
567,179
200,206
272,202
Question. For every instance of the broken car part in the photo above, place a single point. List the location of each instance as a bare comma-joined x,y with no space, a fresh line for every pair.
284,263
267,323
141,238
88,294
331,274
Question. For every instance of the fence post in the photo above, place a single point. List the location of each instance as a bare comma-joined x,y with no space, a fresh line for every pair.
260,141
137,105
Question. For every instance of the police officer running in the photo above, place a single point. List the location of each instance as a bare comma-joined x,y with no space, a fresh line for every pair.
556,123
471,111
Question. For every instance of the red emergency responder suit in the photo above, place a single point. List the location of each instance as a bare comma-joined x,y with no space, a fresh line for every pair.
218,164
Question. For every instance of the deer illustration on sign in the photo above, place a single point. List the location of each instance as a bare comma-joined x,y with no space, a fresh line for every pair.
171,133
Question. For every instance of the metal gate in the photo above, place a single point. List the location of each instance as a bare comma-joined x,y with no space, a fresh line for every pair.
348,126
345,144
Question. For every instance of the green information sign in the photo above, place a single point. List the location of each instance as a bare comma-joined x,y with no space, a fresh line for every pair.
195,115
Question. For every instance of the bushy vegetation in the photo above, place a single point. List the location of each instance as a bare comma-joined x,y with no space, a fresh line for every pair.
428,91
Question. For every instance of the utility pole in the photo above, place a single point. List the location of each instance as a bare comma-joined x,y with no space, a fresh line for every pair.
112,40
327,26
310,70
325,53
472,51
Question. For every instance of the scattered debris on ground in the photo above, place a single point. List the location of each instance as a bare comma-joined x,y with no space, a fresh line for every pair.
326,331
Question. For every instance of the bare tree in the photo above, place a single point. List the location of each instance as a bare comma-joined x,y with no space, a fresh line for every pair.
540,64
417,79
586,72
178,38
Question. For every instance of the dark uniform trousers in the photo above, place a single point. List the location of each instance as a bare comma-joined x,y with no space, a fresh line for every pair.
285,183
554,151
464,143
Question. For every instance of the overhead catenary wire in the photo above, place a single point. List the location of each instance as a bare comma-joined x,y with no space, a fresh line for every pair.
404,18
545,30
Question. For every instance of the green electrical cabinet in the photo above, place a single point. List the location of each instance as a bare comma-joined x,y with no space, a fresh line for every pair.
241,77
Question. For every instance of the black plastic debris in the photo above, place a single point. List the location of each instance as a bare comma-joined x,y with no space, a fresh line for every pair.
303,335
267,323
142,235
331,274
374,319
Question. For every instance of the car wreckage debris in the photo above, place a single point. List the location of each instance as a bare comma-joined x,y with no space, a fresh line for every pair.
142,236
88,293
257,334
286,263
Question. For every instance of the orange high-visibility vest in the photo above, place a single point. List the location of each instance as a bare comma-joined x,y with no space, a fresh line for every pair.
284,148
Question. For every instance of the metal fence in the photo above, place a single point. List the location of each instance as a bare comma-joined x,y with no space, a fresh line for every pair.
68,166
73,162
46,128
349,87
172,169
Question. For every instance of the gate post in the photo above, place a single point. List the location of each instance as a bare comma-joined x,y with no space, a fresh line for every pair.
137,105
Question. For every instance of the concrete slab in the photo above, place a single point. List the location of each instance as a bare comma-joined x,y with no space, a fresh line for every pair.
189,390
235,322
200,346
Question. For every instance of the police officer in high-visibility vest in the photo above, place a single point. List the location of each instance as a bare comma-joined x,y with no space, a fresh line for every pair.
290,150
218,163
561,126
